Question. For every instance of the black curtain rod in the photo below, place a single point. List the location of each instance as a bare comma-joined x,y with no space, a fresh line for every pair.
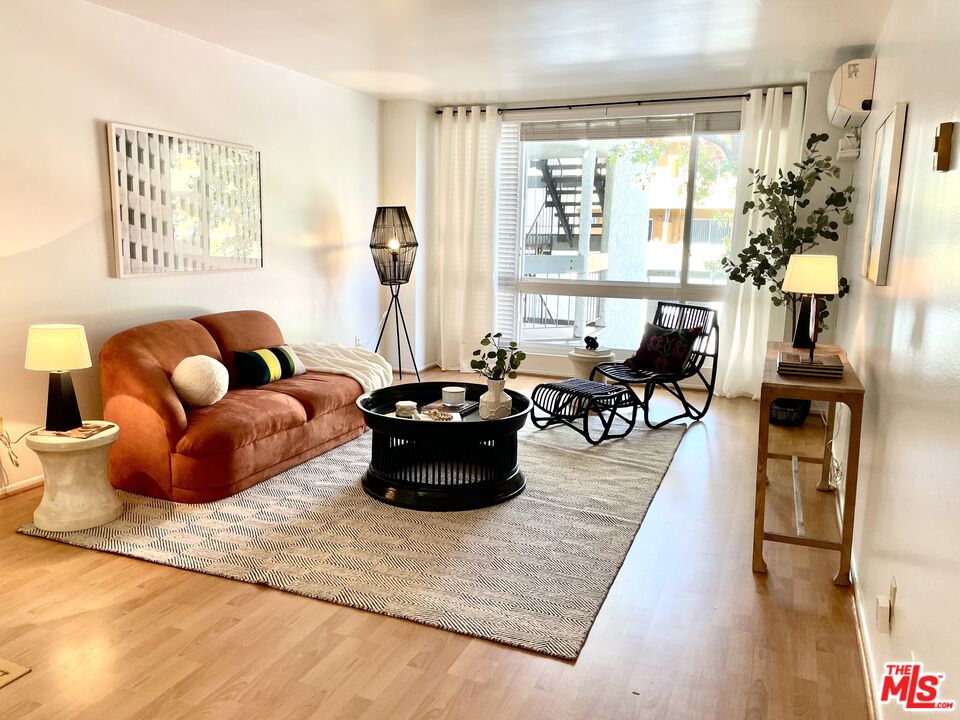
571,106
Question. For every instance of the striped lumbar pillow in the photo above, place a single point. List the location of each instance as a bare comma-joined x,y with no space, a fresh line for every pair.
259,367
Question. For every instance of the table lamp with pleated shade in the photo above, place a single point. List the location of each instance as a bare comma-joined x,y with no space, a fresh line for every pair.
58,349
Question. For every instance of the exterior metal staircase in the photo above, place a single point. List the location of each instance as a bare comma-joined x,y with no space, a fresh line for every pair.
558,223
572,202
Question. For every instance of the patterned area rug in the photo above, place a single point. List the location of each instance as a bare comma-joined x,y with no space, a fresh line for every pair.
532,572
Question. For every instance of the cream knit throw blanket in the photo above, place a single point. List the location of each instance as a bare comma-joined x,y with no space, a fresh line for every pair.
364,366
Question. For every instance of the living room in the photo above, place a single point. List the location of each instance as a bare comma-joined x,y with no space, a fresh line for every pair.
315,401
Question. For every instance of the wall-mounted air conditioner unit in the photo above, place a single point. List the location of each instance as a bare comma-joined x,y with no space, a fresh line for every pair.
849,101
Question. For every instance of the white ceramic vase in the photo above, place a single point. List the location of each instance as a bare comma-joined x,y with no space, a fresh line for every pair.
495,403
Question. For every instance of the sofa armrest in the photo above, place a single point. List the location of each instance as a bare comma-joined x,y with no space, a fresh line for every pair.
136,387
135,369
138,396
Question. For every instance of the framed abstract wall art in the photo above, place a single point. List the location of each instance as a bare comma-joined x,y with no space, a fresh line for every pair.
182,204
882,202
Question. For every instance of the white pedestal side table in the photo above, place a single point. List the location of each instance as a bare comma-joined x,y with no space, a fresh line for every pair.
584,361
77,493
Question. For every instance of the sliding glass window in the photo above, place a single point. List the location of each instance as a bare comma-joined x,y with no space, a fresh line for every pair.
613,215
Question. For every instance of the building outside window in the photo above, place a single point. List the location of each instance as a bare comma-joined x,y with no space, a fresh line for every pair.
600,219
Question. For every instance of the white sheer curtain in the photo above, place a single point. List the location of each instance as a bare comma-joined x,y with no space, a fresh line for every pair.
771,129
466,221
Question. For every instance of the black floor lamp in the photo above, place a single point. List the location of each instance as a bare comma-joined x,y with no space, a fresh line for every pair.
393,245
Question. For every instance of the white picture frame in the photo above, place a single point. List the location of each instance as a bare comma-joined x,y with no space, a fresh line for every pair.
882,200
182,204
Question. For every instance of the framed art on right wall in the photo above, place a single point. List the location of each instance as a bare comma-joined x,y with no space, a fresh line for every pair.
882,203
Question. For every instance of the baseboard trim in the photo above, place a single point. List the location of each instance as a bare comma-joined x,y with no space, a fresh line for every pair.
863,643
861,617
545,373
422,369
21,486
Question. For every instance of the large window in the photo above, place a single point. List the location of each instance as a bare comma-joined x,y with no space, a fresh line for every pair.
611,216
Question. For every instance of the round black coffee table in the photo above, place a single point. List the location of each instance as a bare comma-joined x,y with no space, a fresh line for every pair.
441,465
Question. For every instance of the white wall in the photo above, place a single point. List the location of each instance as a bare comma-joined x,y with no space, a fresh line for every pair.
407,164
66,67
815,121
904,340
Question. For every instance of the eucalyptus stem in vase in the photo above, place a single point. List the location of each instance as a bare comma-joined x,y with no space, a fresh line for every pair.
496,362
791,225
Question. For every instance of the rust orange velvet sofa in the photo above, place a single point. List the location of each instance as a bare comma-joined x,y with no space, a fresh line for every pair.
204,454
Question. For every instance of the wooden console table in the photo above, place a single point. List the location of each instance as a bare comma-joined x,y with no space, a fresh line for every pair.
847,390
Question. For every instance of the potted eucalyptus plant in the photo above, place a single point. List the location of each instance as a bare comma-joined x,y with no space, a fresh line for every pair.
792,226
496,363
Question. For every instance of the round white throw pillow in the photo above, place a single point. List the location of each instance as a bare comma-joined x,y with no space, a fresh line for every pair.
200,380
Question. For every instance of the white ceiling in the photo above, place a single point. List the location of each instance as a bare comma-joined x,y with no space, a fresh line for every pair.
514,50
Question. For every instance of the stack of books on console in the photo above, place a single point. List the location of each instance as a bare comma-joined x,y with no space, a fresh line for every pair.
798,363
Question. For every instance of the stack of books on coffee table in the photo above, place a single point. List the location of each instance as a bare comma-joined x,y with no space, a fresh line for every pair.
464,408
798,363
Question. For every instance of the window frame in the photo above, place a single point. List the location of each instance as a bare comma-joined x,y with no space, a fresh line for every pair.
603,287
681,291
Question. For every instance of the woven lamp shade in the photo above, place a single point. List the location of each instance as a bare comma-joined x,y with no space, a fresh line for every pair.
393,245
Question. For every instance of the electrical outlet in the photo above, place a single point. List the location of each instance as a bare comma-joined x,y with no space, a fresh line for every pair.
356,341
883,614
885,606
836,474
893,597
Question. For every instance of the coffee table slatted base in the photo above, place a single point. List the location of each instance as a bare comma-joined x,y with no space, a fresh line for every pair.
424,475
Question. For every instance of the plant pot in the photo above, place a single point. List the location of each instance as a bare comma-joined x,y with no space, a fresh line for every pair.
495,403
787,412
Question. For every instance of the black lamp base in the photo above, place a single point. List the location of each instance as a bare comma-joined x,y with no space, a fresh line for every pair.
805,335
63,413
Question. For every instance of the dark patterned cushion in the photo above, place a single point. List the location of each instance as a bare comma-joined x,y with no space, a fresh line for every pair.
664,350
259,367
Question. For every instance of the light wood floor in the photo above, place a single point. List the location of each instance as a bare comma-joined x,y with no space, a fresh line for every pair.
687,631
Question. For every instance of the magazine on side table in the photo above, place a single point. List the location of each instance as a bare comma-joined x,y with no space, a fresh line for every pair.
87,430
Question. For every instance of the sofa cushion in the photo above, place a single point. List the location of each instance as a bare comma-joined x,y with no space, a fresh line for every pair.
240,418
241,330
267,365
204,478
163,344
664,350
200,380
319,393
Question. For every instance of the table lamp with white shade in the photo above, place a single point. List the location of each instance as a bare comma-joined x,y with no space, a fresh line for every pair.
810,276
58,349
